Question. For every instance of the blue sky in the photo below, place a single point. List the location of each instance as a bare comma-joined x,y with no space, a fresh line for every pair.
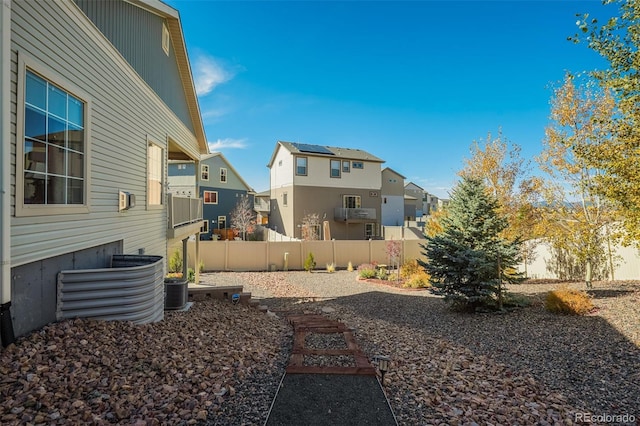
414,83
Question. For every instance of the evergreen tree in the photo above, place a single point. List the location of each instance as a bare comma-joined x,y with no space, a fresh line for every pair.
469,261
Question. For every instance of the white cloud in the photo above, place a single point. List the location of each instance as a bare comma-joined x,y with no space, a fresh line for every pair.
209,72
227,143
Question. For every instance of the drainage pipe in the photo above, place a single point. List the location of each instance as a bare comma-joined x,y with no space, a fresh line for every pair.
6,325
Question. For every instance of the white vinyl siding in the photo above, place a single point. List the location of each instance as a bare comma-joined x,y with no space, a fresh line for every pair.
124,113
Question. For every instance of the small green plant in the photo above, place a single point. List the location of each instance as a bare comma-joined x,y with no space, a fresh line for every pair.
309,263
201,266
191,275
366,270
350,267
331,267
175,262
382,273
568,301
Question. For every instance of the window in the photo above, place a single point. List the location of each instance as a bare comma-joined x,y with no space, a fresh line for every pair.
335,168
345,166
223,175
351,201
222,222
204,172
357,165
210,197
369,230
154,175
284,199
55,146
301,166
165,38
205,227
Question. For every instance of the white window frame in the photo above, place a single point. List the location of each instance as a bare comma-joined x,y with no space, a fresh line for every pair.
205,227
25,64
204,172
346,166
166,39
357,165
155,171
204,197
222,219
223,175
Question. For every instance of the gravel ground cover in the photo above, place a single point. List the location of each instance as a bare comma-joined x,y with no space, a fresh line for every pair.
221,364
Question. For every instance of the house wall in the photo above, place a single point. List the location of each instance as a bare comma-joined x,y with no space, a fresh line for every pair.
182,179
392,209
319,168
229,192
215,163
137,34
124,115
319,193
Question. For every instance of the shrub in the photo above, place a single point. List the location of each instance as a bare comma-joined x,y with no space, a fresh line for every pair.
568,301
410,268
331,267
175,262
191,275
350,267
366,270
309,263
382,273
419,279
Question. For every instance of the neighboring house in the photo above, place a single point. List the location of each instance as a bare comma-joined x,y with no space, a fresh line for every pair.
392,209
96,97
430,204
410,211
417,195
221,188
341,185
181,178
261,205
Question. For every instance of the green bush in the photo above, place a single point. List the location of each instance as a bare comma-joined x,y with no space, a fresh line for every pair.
175,262
309,263
568,301
191,275
382,274
366,270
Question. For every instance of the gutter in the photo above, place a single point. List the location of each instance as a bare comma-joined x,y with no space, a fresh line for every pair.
6,326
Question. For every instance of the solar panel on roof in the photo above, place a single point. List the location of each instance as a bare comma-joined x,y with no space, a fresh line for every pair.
313,149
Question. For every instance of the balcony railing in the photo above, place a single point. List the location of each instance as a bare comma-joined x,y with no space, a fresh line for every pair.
184,211
344,214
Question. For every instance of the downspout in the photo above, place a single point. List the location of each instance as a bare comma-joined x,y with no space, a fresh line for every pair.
6,326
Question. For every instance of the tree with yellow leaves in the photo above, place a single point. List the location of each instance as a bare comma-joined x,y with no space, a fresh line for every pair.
618,42
507,177
577,218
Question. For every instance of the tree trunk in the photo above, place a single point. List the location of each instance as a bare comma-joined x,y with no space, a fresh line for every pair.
588,274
